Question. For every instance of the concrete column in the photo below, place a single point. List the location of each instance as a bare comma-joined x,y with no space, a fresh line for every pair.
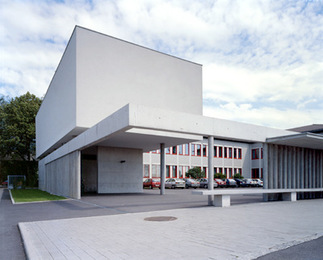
210,168
275,166
281,168
289,167
285,171
265,166
162,169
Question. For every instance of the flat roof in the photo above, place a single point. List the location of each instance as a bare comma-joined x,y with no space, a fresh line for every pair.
304,140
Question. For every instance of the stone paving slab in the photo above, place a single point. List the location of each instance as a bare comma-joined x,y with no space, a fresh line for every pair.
238,232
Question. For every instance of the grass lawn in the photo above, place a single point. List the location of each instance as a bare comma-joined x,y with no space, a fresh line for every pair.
31,195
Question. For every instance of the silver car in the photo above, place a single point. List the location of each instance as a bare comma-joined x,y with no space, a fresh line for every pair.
173,183
204,183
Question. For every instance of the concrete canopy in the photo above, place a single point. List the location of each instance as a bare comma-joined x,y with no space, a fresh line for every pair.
305,140
142,127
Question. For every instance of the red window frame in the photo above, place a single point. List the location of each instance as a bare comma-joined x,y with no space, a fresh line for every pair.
174,150
167,150
230,152
193,152
220,151
180,149
239,153
174,170
255,154
225,152
186,149
204,151
215,150
198,150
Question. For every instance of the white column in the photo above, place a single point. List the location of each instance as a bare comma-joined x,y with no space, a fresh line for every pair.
210,168
162,169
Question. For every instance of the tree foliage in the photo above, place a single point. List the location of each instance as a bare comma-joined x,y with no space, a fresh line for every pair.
195,173
17,127
219,175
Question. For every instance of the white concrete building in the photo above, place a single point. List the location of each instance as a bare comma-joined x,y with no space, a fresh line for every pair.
111,101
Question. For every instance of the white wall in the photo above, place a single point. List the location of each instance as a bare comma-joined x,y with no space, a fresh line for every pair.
57,114
112,73
117,177
99,74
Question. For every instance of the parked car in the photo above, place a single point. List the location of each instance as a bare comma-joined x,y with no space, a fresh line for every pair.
151,183
251,183
221,183
191,183
173,183
231,183
4,183
240,182
260,183
204,183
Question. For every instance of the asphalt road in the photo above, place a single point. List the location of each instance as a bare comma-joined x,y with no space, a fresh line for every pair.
93,205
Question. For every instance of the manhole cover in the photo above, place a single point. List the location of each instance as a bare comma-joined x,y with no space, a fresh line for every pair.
161,218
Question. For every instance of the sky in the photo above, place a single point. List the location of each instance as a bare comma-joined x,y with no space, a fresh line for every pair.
262,59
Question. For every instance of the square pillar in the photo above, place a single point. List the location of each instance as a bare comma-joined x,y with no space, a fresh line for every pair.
291,196
222,201
210,168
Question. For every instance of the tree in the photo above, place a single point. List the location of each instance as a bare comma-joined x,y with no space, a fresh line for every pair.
195,173
17,127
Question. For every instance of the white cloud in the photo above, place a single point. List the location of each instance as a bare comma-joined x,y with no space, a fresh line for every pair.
260,57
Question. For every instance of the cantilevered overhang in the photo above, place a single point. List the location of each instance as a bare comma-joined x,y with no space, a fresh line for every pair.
304,140
141,127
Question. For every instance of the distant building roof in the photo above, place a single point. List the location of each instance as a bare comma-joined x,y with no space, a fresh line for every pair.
315,128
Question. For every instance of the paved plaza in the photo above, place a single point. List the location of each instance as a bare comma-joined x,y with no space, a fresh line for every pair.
244,231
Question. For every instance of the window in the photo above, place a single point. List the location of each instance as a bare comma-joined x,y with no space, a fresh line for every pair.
167,150
185,170
239,153
204,150
146,171
205,172
215,151
180,171
235,153
262,153
193,150
198,150
255,154
226,172
225,152
167,171
155,171
230,152
180,149
174,150
220,151
230,172
255,173
186,149
174,171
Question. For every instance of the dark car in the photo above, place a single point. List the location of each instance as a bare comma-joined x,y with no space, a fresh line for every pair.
151,183
231,183
240,183
204,183
191,183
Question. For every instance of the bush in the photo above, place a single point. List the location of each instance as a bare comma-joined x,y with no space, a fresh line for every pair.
195,173
238,176
219,176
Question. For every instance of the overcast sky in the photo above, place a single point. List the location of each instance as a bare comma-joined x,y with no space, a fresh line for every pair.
262,60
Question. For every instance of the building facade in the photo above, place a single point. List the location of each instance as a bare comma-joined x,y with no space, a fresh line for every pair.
230,158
